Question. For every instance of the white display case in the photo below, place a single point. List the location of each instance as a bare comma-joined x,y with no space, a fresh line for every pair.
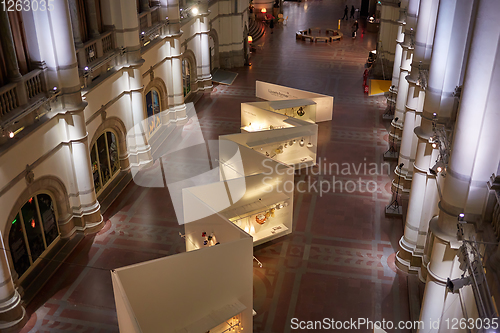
208,289
257,198
274,92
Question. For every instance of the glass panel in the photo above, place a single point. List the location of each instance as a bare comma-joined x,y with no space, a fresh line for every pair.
103,159
18,249
113,153
48,217
186,80
95,169
153,107
33,230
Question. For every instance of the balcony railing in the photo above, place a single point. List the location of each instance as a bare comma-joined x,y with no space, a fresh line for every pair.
97,57
95,49
151,25
17,98
8,99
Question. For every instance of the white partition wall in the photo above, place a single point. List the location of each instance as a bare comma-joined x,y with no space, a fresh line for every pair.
258,199
274,92
173,294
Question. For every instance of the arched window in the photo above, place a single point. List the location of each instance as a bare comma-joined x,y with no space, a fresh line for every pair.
104,159
186,76
33,230
153,111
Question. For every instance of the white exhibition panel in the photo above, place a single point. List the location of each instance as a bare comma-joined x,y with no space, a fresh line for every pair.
298,144
237,160
274,92
174,293
264,192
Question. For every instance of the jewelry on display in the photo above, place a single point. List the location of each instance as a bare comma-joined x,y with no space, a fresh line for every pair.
267,154
291,143
309,145
301,112
272,212
260,219
301,143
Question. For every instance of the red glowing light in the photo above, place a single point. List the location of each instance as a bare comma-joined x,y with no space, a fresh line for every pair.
30,200
33,223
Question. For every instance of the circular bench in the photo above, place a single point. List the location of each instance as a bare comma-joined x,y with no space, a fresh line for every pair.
307,35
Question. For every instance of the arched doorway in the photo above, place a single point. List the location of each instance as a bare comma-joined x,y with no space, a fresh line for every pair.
186,76
105,160
213,42
153,109
33,231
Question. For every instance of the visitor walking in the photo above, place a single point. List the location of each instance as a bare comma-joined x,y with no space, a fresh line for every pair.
271,24
346,13
354,29
352,11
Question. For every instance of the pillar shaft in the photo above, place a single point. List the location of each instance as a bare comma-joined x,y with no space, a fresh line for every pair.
474,157
74,23
12,313
92,17
8,46
424,37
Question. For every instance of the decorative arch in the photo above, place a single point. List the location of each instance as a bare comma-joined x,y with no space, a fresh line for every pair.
214,58
189,56
117,126
158,84
54,187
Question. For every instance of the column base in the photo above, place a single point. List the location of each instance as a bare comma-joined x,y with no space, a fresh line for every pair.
391,155
406,259
12,315
392,211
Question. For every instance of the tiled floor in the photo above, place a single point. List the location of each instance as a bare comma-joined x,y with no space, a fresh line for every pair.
339,261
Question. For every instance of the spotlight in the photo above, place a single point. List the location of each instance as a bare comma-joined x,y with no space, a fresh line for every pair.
263,10
55,88
142,33
86,68
461,217
401,166
11,135
194,11
455,284
396,119
438,167
434,115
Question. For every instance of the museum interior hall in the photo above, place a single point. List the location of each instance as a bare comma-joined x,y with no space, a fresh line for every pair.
265,166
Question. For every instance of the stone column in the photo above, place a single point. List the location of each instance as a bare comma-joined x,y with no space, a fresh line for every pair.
92,17
12,313
144,5
424,37
445,71
406,59
8,47
475,157
74,23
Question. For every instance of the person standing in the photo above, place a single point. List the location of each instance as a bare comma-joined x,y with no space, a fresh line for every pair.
346,11
271,24
352,11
